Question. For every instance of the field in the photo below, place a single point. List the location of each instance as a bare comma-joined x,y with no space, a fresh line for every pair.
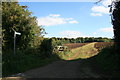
83,50
101,45
98,45
74,45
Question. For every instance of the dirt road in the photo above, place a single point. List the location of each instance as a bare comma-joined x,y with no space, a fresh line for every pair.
64,69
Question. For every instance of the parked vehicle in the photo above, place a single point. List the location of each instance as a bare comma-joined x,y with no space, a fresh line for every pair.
60,48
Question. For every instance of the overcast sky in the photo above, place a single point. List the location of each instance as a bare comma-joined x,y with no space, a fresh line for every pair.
73,19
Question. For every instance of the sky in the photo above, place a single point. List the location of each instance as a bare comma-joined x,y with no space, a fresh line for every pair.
73,19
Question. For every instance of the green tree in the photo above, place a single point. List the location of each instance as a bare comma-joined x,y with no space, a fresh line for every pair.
46,47
19,18
116,23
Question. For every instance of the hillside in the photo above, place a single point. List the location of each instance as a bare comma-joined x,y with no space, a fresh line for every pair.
83,50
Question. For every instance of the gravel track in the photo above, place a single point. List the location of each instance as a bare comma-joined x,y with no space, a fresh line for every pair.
63,69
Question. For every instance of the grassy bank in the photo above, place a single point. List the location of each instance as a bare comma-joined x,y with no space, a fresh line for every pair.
108,60
18,63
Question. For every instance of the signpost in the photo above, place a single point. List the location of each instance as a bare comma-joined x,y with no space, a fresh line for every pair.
15,39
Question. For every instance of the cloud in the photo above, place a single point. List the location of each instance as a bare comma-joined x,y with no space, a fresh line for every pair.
55,19
100,9
54,15
96,14
94,33
106,3
72,22
70,34
107,29
69,19
103,8
104,32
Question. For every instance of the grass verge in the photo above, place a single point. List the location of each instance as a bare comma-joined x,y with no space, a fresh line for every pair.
108,59
19,63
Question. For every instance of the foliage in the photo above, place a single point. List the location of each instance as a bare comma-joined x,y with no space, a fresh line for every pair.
18,18
116,23
21,62
108,60
46,47
116,26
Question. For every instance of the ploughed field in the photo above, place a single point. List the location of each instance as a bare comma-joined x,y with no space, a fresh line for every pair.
101,45
74,45
98,45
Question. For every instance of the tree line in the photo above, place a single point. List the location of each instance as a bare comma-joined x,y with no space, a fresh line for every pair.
60,41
